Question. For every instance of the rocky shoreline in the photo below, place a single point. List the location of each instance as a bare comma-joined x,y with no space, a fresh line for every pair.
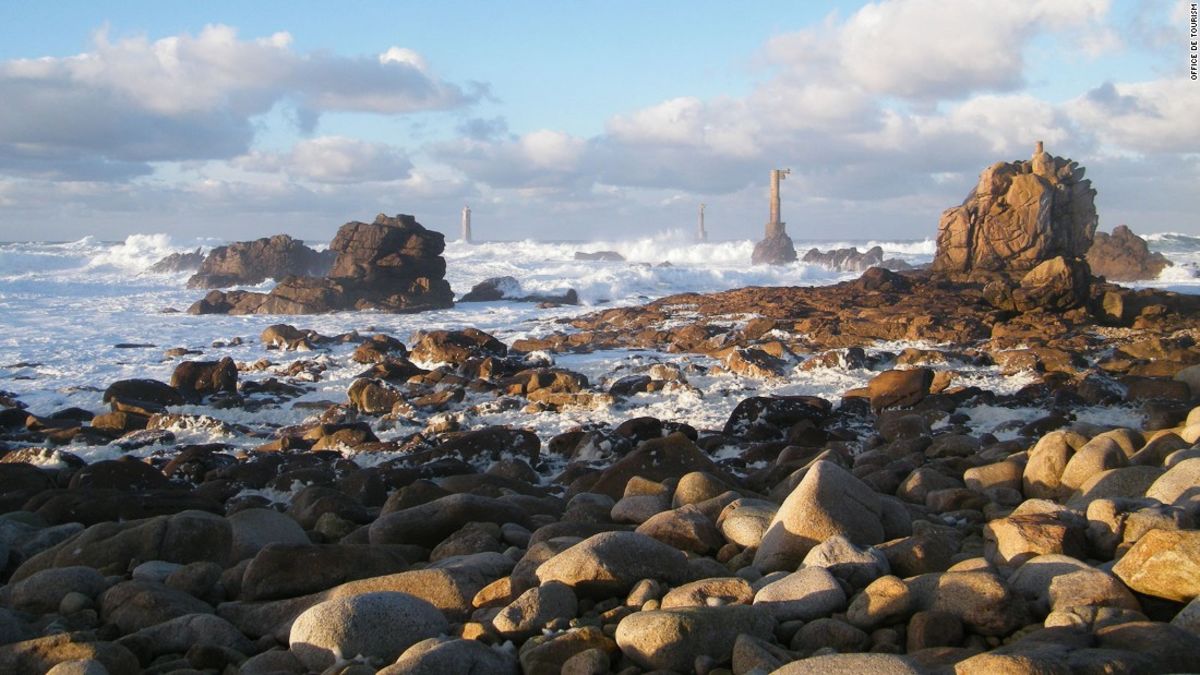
422,524
877,532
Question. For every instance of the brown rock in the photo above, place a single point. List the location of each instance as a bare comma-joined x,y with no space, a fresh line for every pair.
1124,256
1019,215
1163,563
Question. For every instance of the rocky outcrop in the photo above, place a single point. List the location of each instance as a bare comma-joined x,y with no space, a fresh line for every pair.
393,264
253,262
775,249
178,262
850,260
1018,216
1124,256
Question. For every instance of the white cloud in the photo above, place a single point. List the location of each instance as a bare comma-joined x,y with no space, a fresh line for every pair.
333,159
931,49
1153,117
132,101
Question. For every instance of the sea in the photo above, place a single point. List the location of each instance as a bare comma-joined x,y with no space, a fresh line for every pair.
69,312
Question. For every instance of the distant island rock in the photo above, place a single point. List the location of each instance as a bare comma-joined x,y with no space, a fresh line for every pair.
393,264
509,288
246,263
606,256
1124,256
1019,215
851,260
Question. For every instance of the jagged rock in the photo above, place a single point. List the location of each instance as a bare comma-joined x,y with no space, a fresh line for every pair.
1124,256
178,262
776,249
850,260
1019,215
393,264
252,262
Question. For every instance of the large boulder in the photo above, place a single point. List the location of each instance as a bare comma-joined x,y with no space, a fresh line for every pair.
393,264
186,537
1055,285
1019,215
610,563
252,262
673,639
1124,256
377,627
829,501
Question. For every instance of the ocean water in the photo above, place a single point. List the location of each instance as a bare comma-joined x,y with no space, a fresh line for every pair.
64,308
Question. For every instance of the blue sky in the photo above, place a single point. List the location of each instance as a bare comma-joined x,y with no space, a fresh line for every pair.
578,120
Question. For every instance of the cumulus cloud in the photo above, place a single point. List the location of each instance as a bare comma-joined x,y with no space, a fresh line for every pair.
539,159
333,159
132,101
889,48
1153,117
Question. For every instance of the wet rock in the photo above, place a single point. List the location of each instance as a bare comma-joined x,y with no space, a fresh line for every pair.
197,379
899,388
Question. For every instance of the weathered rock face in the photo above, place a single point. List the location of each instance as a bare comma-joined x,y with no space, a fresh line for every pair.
1124,256
392,264
252,262
775,249
850,260
1019,215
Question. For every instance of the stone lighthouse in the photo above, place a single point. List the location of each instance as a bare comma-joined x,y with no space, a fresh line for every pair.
466,224
776,248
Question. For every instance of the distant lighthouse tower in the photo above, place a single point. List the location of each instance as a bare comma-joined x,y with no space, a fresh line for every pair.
701,233
466,224
775,226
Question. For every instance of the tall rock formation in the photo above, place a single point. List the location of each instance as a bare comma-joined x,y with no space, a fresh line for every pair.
776,248
392,264
1018,216
1124,256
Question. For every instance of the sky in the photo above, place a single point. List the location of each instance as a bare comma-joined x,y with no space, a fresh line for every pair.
580,120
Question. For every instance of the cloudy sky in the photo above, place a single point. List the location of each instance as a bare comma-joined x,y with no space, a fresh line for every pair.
573,120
